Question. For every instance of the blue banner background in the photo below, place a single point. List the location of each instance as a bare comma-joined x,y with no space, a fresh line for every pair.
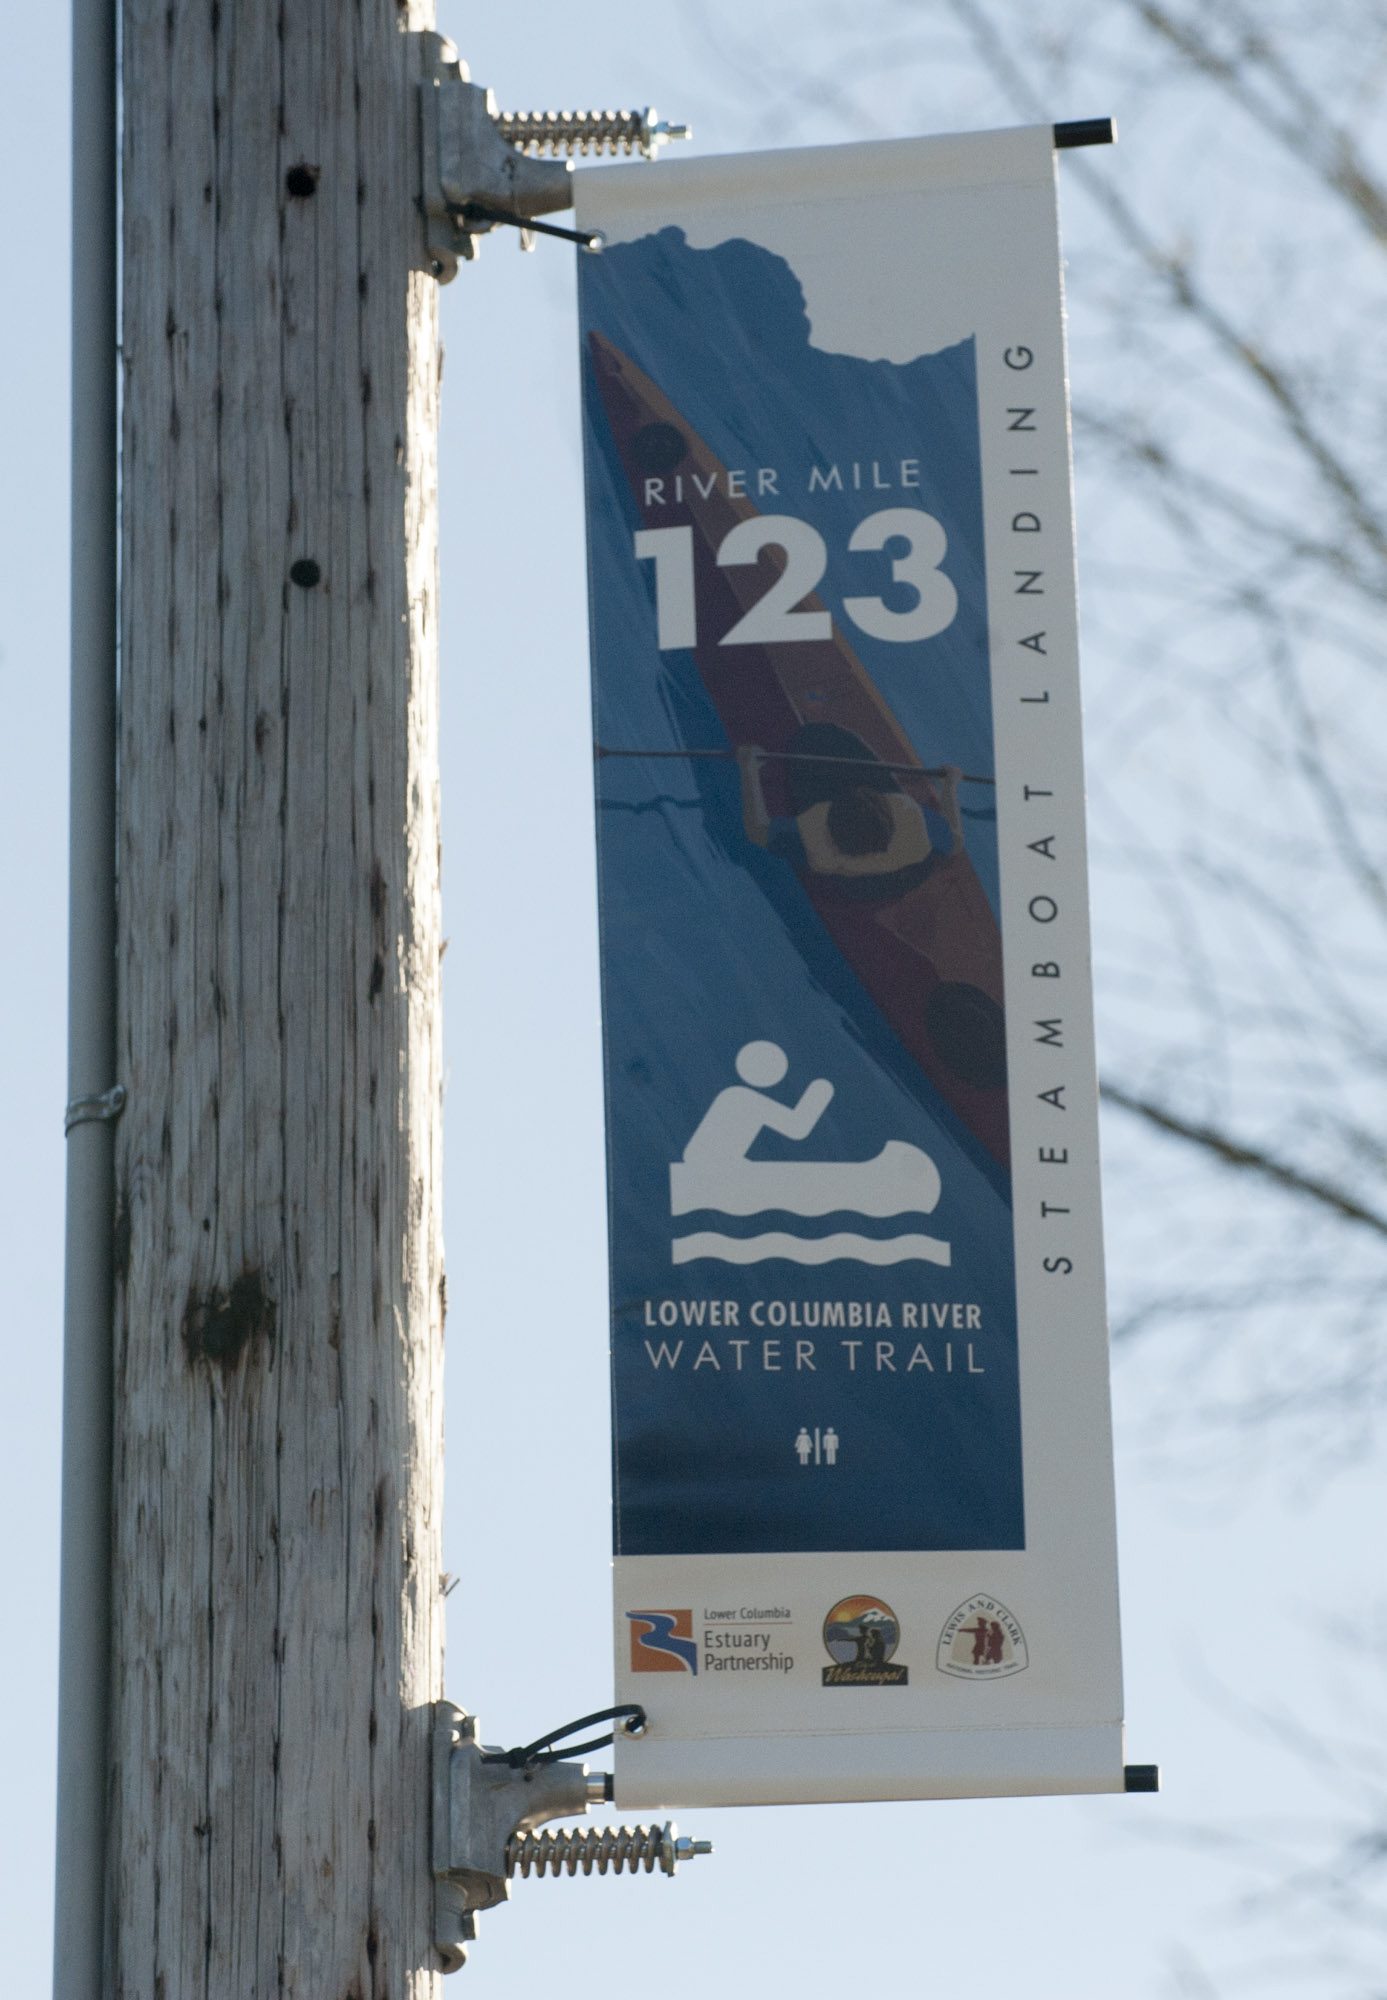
709,942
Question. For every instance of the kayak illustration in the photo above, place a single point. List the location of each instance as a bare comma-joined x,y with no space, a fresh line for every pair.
831,784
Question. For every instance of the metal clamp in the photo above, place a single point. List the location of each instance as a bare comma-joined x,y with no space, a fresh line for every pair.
485,1811
477,169
466,162
101,1108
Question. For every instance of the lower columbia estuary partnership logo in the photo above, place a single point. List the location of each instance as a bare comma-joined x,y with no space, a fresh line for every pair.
662,1642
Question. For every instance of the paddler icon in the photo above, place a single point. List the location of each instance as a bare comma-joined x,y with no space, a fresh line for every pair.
716,1174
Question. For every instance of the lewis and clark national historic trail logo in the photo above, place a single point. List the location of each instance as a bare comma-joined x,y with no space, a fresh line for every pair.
861,1635
982,1642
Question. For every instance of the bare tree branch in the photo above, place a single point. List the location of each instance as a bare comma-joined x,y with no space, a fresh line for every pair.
1304,128
1176,272
1348,845
1188,490
1252,1159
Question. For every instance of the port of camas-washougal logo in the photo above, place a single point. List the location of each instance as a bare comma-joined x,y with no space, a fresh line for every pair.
861,1635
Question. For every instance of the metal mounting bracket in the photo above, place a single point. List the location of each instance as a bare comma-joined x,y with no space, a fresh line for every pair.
485,1810
466,164
478,167
479,1801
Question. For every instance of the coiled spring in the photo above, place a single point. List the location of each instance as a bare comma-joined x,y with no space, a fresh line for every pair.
563,133
605,1850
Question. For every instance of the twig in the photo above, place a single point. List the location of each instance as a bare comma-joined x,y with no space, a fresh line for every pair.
1253,1159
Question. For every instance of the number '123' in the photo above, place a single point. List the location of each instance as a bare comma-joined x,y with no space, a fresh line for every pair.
773,620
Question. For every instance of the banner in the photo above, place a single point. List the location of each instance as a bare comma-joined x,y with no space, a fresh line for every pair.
863,1493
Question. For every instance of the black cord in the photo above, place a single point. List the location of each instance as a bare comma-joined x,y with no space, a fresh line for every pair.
541,1752
477,211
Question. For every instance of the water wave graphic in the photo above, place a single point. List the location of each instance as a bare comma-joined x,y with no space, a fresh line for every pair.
810,1249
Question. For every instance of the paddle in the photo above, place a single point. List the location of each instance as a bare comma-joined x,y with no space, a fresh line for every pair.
803,757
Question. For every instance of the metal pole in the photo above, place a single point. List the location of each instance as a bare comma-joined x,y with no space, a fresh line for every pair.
84,1641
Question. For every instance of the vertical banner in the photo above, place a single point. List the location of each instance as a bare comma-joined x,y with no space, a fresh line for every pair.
863,1513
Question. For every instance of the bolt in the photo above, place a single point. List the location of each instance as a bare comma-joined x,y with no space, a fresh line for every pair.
559,132
615,1850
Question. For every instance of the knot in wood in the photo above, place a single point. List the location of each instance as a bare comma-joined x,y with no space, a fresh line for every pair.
220,1325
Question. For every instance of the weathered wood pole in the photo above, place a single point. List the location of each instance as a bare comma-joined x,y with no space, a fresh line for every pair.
278,1357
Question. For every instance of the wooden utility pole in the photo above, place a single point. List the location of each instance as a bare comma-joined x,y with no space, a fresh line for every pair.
278,1359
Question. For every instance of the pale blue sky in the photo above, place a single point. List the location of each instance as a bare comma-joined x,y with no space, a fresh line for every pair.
1227,1580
